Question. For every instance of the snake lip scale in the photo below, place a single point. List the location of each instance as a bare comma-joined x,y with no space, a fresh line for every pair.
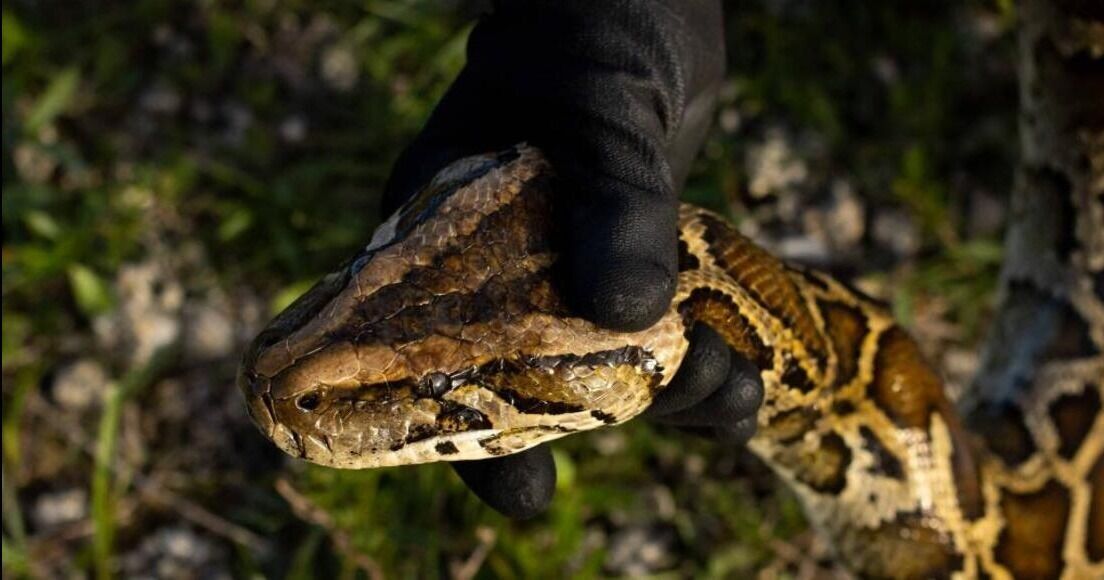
445,339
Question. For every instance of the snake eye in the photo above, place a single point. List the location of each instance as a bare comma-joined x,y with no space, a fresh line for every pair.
309,402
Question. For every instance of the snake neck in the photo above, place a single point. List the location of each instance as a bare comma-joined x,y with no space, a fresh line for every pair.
853,416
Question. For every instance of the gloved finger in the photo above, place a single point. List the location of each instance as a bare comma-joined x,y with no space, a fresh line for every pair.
737,399
519,486
734,435
704,368
738,434
620,236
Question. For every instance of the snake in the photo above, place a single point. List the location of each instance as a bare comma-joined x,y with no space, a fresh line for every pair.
446,339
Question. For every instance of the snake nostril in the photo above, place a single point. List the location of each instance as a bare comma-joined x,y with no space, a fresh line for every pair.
309,402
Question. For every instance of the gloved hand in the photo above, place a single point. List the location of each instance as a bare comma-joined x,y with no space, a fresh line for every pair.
619,95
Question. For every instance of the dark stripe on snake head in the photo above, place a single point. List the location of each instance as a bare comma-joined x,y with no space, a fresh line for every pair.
423,205
421,208
529,405
532,385
435,299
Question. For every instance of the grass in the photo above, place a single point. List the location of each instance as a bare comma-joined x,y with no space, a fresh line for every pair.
103,482
241,148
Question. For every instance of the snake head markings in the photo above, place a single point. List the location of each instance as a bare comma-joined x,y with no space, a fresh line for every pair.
445,338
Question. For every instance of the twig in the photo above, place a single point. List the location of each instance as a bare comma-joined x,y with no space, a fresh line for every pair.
467,569
307,511
151,491
200,516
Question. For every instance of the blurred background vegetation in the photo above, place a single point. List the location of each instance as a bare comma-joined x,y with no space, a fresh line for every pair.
177,172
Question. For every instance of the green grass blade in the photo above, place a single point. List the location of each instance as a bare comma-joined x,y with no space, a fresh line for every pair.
103,522
13,516
59,94
102,502
14,558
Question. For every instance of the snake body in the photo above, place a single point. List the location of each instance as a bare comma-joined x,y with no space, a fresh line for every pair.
446,339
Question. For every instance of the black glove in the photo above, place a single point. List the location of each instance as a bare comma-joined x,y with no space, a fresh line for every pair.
619,96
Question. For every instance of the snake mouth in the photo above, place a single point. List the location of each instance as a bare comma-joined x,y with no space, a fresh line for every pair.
258,401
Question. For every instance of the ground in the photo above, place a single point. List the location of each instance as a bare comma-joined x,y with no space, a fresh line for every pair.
177,172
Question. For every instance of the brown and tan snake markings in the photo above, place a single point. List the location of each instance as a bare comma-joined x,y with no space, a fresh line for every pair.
846,326
885,462
446,339
771,285
1073,416
1030,545
730,323
1094,539
1005,434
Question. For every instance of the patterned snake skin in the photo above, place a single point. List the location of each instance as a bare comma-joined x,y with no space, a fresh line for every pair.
445,339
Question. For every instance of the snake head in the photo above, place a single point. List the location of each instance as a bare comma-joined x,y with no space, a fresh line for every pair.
446,338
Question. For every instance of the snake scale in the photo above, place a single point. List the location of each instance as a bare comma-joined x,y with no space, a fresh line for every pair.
446,339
